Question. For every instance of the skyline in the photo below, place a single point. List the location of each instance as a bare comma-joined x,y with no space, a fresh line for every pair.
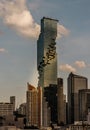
19,63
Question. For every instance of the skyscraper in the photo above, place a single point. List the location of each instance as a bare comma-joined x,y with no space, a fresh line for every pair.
39,89
46,53
61,102
47,66
32,105
12,100
75,83
50,93
84,104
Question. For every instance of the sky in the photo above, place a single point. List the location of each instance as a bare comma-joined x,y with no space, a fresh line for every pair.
19,31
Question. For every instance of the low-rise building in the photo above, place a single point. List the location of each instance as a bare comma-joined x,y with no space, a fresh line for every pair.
6,109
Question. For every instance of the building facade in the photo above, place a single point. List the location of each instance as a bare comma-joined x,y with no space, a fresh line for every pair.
75,83
39,89
47,114
61,102
47,66
50,94
22,109
32,106
12,100
6,109
46,53
84,104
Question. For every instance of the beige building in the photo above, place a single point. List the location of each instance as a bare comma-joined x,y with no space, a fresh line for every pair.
32,105
6,109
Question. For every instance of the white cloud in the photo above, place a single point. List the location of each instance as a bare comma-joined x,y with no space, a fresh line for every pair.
67,68
62,31
2,50
80,64
33,77
16,15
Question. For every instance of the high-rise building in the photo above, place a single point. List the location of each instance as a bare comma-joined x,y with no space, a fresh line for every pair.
50,93
47,114
39,89
61,102
47,66
84,104
75,83
32,106
12,100
22,109
46,53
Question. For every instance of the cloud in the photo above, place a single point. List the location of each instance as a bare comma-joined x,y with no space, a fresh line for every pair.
15,14
67,68
62,31
80,64
2,50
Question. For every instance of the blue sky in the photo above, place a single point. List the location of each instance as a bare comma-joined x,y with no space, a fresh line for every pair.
19,29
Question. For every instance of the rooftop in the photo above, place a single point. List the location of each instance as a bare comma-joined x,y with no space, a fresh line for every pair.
49,19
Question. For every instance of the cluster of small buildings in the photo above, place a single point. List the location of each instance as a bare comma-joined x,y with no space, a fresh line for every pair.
46,104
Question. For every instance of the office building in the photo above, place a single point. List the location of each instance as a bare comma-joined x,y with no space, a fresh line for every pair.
12,100
75,83
22,109
61,102
7,108
39,89
50,93
84,104
32,106
46,53
47,114
47,66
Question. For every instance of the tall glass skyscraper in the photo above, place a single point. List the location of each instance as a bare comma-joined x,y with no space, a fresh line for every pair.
46,53
75,83
47,68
